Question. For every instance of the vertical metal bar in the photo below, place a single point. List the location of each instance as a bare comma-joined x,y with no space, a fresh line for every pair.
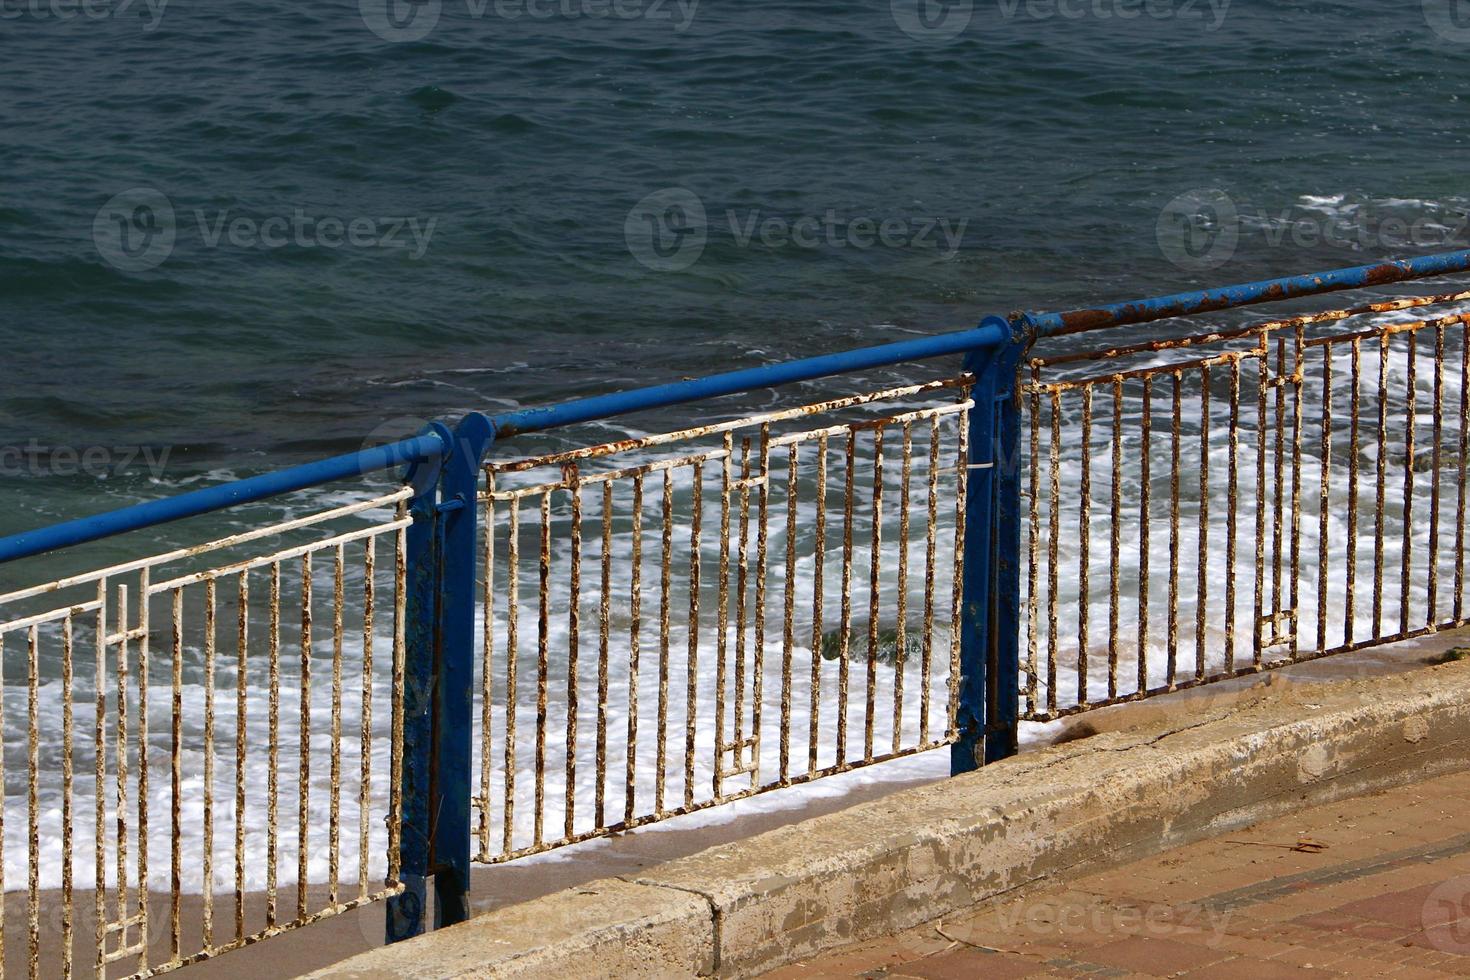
1115,540
696,506
741,605
1145,492
1410,418
543,667
926,668
99,795
1297,373
1052,547
661,733
788,632
845,625
1349,608
144,651
975,560
900,658
603,638
1380,474
417,571
242,644
512,651
487,669
1435,461
758,655
453,671
1278,526
1464,472
365,752
176,745
67,773
1202,581
1257,641
334,807
966,754
1033,542
303,802
1325,501
1084,556
1232,507
1004,654
819,556
875,566
207,869
722,611
1175,419
396,783
574,652
33,773
635,624
274,747
121,783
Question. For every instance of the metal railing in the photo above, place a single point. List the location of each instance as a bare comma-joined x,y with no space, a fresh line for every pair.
678,591
1143,579
143,653
513,653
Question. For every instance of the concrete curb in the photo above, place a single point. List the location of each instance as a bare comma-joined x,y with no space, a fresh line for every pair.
924,853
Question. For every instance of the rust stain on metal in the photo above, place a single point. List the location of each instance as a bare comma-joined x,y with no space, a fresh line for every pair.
1406,562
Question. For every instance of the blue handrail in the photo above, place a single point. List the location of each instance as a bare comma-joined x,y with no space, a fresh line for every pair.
155,512
992,332
1248,294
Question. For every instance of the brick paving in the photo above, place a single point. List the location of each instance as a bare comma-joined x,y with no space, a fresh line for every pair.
1377,886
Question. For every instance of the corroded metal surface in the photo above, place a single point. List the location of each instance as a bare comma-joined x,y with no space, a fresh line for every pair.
1277,407
92,646
771,518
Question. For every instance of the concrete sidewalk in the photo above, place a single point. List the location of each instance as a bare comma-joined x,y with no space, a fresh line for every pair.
1199,768
1369,886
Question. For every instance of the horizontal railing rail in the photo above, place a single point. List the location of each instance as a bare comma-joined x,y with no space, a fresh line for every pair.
430,446
598,637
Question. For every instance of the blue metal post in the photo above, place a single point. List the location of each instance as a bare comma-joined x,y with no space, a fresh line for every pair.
967,752
989,615
405,913
1005,609
455,671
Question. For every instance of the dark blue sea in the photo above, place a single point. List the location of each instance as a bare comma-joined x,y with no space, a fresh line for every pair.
236,235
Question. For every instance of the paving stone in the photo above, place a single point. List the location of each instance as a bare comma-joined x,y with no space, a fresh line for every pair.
1256,969
1161,957
966,963
1408,908
1389,896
